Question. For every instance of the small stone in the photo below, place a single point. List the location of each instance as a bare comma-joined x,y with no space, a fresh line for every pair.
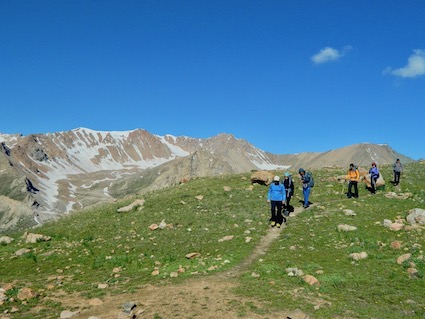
102,286
26,294
403,258
193,255
226,238
311,280
128,306
396,244
22,251
68,314
344,227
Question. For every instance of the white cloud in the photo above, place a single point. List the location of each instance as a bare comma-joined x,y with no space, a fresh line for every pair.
415,66
329,54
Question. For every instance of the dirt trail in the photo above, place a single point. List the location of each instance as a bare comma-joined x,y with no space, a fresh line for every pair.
206,297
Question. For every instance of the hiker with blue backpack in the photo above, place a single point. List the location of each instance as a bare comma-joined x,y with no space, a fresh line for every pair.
276,197
307,182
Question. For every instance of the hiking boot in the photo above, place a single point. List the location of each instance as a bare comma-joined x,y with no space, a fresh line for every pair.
284,220
273,224
278,225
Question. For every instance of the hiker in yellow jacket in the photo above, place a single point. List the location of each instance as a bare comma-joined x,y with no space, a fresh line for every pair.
353,177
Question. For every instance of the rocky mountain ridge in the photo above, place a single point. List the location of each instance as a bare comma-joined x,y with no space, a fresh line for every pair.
46,175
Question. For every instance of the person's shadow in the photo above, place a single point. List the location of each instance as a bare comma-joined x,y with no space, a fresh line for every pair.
302,202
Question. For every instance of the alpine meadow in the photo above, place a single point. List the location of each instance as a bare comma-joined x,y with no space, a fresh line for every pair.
205,248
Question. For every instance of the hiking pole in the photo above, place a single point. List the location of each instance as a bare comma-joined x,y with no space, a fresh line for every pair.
343,186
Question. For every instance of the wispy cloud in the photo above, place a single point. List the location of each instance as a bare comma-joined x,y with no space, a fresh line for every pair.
329,54
415,66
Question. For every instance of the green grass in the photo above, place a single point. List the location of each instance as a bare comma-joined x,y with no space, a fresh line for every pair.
86,247
376,287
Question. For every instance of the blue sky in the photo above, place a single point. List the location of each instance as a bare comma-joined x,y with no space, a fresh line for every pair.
287,76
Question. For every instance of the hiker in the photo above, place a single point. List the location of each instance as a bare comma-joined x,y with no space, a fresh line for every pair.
289,188
276,197
353,177
397,168
374,175
306,180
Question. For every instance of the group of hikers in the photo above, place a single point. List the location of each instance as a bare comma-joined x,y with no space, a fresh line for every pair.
280,193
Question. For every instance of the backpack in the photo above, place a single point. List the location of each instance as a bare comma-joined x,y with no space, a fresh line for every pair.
311,182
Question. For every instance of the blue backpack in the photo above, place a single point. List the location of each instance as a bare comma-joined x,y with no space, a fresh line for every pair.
310,176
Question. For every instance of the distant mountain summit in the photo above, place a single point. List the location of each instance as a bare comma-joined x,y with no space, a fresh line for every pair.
362,154
43,176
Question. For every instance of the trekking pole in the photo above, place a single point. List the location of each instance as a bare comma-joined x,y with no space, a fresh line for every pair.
343,186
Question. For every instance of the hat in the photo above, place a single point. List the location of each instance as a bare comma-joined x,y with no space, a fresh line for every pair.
351,165
301,170
276,178
287,174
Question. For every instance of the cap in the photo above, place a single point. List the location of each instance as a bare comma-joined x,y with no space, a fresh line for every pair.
301,170
287,174
276,178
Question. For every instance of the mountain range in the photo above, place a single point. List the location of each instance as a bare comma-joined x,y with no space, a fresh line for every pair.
43,176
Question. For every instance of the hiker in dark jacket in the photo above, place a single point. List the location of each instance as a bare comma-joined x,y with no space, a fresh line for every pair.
305,181
276,197
289,188
397,168
374,175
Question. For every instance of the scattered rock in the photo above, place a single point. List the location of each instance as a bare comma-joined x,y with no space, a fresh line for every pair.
26,294
137,203
155,272
396,244
413,272
294,272
102,286
68,314
153,227
22,251
128,306
193,255
34,238
227,188
199,197
345,227
162,224
396,226
255,275
387,223
226,238
358,256
349,212
403,258
262,177
398,196
6,240
416,216
311,280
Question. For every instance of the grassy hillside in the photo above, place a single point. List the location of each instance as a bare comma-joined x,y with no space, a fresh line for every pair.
102,246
